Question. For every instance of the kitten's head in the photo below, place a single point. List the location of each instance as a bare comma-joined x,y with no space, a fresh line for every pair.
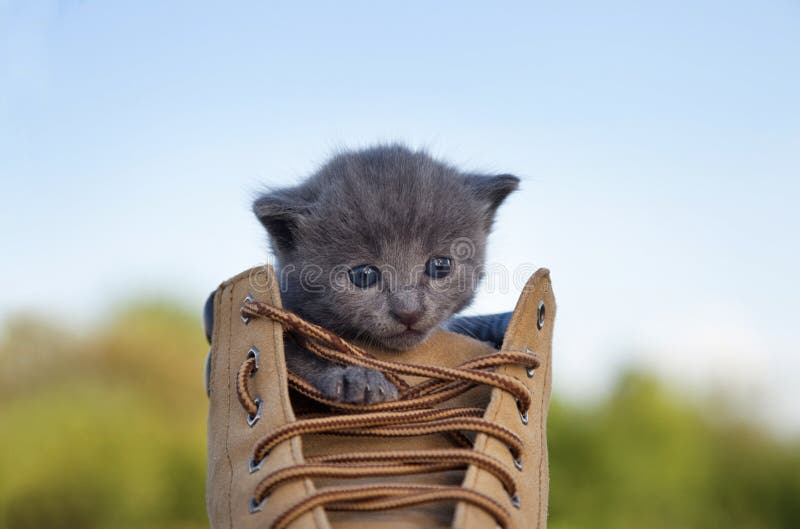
382,244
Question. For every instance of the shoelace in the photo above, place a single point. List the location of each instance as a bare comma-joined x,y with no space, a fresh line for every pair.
412,414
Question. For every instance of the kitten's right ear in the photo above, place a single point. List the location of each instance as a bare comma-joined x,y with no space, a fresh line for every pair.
492,191
280,212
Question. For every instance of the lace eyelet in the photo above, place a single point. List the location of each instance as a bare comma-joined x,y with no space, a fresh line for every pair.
529,370
253,419
255,506
515,501
523,415
253,466
246,319
518,463
255,354
540,315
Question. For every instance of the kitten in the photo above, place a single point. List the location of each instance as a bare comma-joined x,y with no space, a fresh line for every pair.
381,245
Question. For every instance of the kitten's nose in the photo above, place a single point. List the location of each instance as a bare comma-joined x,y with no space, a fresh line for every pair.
407,318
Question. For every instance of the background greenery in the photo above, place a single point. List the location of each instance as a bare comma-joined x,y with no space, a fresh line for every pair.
107,430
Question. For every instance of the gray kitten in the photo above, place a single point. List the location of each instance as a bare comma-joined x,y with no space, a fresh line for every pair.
381,245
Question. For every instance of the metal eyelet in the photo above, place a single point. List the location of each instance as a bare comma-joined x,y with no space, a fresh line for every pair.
523,415
253,466
540,314
529,370
256,507
246,319
253,419
515,500
254,353
517,462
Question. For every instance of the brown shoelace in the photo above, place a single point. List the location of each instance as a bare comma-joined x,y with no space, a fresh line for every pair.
412,414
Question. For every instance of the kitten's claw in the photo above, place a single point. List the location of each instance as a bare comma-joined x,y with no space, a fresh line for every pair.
357,385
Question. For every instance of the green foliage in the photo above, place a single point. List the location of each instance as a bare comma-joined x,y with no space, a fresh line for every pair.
645,457
108,431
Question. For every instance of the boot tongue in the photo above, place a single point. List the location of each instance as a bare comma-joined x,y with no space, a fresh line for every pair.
442,348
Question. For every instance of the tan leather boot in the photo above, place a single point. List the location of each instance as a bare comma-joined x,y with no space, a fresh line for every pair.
464,447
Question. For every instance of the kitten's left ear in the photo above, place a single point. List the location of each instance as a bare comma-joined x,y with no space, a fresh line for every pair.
492,191
281,212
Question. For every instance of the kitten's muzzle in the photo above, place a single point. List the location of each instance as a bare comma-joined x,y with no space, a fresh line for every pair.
407,318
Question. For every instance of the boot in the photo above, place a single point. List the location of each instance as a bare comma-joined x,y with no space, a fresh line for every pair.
463,447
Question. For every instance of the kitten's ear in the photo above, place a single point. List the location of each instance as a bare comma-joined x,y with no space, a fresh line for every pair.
281,213
492,191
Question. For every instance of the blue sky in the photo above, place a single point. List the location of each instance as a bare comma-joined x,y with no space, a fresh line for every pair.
659,144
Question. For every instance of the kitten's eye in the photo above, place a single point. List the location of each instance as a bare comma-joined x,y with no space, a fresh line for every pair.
364,276
438,267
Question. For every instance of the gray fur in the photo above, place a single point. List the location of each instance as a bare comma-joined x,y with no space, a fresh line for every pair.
390,207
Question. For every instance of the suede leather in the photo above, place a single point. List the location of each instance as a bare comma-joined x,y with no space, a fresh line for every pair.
522,334
229,483
230,439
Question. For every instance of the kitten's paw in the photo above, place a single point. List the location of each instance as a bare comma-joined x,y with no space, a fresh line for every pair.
356,385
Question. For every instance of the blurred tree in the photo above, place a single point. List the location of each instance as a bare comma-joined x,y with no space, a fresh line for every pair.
646,457
107,430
